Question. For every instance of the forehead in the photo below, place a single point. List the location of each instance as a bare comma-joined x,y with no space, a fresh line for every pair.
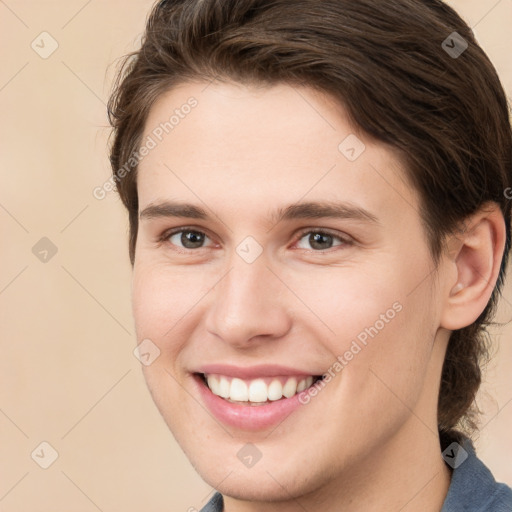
240,146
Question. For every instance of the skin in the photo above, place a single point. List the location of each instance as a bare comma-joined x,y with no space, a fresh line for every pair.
368,440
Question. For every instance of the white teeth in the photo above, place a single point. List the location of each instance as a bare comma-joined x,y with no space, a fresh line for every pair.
224,387
275,390
239,391
213,384
290,388
257,390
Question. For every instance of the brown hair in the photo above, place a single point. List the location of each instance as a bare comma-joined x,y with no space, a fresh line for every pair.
390,65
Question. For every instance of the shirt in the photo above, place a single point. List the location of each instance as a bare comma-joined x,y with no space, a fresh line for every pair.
472,487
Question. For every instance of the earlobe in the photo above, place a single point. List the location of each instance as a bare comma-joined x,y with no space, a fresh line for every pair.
477,264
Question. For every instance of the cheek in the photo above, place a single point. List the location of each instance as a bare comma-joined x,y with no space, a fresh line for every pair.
382,322
167,306
161,299
158,304
387,355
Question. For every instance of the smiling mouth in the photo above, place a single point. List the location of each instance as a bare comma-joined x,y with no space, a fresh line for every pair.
259,391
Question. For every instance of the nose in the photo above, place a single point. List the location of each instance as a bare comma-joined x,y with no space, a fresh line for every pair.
248,305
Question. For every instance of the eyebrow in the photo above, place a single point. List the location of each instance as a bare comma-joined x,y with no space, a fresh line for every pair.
305,210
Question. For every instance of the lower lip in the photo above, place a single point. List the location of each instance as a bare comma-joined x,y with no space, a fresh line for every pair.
247,417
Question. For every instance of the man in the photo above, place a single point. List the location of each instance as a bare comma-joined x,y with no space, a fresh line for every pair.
319,232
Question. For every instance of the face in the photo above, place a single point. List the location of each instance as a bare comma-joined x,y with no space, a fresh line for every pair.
278,246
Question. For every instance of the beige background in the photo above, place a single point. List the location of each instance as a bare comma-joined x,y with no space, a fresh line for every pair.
68,373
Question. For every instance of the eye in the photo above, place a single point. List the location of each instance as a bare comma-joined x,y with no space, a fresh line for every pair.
320,240
317,240
186,238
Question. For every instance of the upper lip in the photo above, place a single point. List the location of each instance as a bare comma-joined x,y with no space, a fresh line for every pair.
252,372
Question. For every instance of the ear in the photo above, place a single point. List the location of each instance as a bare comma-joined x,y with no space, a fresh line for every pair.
475,259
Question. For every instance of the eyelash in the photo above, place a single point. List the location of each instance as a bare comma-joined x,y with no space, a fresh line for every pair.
345,241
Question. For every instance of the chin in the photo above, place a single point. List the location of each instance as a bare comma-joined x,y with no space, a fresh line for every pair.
269,480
